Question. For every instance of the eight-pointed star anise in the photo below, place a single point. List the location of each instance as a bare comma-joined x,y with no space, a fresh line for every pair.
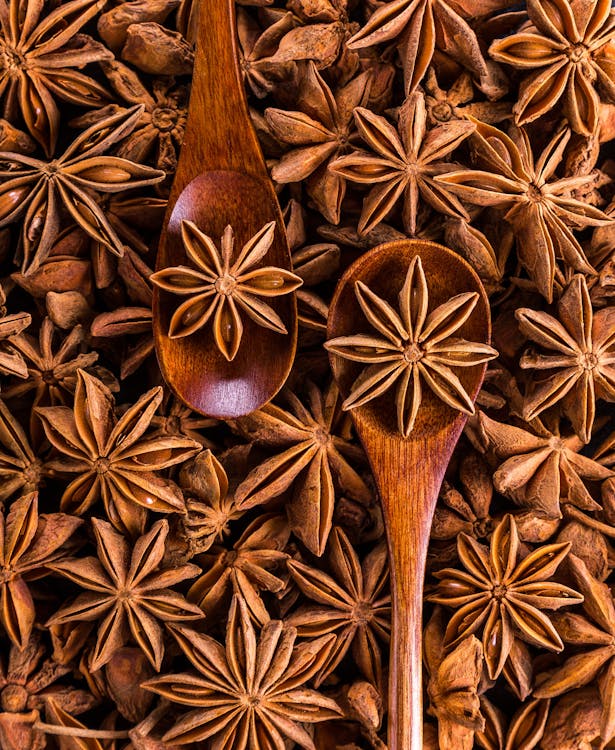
250,694
580,357
313,457
403,164
127,592
115,459
566,47
36,191
38,57
218,286
540,208
414,345
503,596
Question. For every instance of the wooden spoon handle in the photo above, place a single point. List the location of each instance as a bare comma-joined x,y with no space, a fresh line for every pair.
409,475
219,133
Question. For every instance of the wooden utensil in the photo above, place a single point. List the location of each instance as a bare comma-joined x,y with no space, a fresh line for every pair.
222,179
408,471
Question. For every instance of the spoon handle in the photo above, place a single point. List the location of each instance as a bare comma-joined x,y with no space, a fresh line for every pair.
409,475
219,133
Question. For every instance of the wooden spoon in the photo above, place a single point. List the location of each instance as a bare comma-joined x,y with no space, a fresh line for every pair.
408,471
222,179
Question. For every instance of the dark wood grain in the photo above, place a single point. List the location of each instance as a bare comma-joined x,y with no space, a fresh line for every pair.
222,179
408,472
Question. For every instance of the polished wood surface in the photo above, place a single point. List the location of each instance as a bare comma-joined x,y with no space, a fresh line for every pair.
408,472
222,179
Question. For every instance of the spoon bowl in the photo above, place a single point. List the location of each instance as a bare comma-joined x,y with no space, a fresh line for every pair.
408,471
221,179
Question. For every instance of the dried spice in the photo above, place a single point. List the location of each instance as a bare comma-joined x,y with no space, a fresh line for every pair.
415,345
220,287
30,187
403,165
129,592
249,694
502,596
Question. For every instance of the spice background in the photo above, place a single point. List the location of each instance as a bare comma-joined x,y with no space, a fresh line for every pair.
168,580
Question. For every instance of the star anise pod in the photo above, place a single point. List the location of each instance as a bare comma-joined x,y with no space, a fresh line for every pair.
11,361
414,345
321,131
221,287
126,587
458,101
453,685
247,569
38,57
127,322
567,45
403,165
36,191
354,604
115,459
541,469
28,679
502,595
211,507
250,692
579,361
419,27
261,71
29,544
539,208
313,460
159,132
523,732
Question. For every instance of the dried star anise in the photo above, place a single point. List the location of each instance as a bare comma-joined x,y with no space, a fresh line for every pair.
220,287
414,345
35,191
127,591
29,544
38,57
115,459
251,693
502,595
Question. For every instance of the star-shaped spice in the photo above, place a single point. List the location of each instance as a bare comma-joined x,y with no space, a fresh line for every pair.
29,543
38,57
541,469
566,48
20,467
403,165
221,287
539,208
580,361
414,346
503,596
127,590
35,191
354,604
250,694
323,130
313,457
253,565
114,459
414,24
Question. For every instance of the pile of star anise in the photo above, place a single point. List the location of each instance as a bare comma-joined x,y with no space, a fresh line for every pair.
170,581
